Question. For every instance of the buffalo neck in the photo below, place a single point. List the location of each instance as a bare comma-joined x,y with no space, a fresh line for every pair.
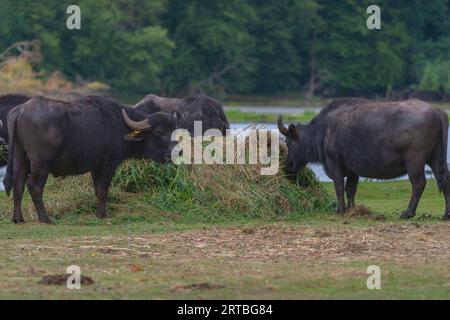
312,138
135,150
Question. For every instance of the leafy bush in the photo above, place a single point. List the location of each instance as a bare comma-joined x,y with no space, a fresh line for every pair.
436,77
17,75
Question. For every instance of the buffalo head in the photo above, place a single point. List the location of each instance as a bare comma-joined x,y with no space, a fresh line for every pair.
297,146
152,135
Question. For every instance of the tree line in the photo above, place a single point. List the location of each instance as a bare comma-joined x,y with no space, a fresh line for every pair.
241,47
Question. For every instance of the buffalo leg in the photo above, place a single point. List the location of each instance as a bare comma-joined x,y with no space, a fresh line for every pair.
417,178
350,189
338,180
8,178
19,178
442,175
36,182
335,173
339,189
102,180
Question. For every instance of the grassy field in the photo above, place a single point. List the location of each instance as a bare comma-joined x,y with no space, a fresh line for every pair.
284,101
142,251
239,116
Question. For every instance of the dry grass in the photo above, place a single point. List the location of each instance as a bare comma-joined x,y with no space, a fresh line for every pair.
386,242
17,75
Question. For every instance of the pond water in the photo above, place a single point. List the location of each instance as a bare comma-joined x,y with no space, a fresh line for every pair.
2,173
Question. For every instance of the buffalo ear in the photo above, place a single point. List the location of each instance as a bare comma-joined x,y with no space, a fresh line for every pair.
292,131
134,137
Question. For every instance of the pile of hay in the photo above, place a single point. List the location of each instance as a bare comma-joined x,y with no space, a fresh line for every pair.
143,190
222,191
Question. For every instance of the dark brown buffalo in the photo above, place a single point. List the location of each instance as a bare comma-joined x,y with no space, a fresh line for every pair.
357,137
7,102
94,134
197,108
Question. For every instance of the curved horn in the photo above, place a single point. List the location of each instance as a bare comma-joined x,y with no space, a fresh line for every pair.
281,126
135,125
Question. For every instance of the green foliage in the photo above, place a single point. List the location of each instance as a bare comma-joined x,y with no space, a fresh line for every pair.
212,40
240,46
117,44
361,61
239,116
436,77
143,176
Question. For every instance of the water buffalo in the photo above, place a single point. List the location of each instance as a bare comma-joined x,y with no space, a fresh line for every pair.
197,108
7,102
356,137
93,134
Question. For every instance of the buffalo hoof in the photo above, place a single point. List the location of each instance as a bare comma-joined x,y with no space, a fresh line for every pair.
407,215
101,216
446,217
46,220
18,220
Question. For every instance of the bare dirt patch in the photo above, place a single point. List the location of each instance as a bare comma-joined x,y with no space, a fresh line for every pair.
61,279
196,286
360,211
364,212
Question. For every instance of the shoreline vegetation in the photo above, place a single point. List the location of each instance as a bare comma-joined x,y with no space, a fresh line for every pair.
240,116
